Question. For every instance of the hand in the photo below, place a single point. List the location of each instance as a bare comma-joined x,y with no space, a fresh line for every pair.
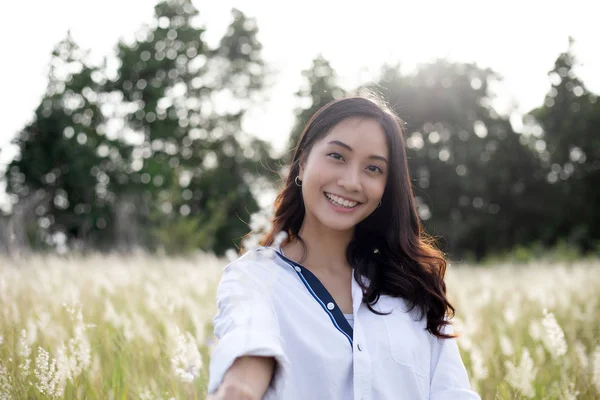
232,391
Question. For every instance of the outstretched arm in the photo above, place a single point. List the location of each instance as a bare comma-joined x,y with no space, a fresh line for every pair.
247,379
248,357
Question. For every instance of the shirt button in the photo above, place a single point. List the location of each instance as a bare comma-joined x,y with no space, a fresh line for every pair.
298,269
330,306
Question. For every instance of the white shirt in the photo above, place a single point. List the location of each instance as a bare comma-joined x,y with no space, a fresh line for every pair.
269,305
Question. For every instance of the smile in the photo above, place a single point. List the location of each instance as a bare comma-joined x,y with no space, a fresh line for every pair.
338,201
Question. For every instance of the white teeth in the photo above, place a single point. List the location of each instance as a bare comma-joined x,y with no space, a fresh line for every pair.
341,201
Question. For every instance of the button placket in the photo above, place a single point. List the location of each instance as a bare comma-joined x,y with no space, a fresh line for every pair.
362,365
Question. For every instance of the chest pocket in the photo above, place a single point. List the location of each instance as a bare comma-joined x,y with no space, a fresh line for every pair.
409,344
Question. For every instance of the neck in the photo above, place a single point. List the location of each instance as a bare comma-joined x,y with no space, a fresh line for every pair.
326,248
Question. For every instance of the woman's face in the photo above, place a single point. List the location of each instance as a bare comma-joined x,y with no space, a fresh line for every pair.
349,165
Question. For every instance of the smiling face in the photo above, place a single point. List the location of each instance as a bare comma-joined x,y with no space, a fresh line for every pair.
348,166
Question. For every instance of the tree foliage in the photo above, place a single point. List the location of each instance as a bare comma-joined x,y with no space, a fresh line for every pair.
154,154
179,157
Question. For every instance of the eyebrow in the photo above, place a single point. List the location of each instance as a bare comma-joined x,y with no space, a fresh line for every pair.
344,145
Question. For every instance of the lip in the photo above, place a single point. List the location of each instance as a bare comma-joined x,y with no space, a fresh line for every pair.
340,208
345,198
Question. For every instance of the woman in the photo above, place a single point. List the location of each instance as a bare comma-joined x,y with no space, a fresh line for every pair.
352,304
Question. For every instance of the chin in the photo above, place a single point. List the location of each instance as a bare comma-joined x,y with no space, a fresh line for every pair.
338,225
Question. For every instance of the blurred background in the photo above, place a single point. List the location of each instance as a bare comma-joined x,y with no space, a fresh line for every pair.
166,126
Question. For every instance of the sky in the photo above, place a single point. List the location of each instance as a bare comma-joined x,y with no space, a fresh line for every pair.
519,39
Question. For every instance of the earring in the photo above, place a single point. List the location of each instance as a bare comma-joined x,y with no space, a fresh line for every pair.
296,180
379,205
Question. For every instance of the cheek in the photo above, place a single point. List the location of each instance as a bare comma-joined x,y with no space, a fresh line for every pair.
316,173
311,184
375,188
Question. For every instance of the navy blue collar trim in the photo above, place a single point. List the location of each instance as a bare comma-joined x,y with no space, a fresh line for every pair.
316,288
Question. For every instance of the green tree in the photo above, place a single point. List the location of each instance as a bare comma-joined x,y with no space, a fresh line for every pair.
570,149
187,105
65,161
320,88
461,156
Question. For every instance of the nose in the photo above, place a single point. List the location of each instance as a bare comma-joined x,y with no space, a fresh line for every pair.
350,180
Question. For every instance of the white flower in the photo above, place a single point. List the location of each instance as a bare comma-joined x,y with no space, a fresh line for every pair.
110,315
49,379
280,237
149,394
554,339
24,353
80,349
32,331
5,384
127,329
570,393
581,354
146,394
596,368
506,345
251,242
259,221
186,360
142,330
63,362
535,329
510,315
75,356
464,340
479,369
521,376
231,255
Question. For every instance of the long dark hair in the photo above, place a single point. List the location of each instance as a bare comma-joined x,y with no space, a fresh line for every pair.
407,264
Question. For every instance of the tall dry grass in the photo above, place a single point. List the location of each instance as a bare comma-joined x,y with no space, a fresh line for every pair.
139,327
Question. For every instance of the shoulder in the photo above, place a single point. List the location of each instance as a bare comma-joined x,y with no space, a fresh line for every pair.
253,258
256,265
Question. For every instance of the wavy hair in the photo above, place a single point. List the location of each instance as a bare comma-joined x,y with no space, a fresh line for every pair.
407,262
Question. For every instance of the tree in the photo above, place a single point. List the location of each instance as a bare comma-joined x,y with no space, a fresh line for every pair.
180,163
460,154
321,88
570,148
65,161
187,104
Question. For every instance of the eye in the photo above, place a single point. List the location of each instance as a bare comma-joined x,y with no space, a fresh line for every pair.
377,169
336,154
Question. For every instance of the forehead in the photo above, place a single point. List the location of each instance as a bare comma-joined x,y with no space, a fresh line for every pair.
363,134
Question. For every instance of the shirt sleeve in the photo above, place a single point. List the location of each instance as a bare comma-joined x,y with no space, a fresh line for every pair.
449,380
246,323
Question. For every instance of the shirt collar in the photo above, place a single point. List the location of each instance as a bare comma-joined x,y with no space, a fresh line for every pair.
357,293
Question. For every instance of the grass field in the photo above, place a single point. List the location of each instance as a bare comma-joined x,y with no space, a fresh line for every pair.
139,327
